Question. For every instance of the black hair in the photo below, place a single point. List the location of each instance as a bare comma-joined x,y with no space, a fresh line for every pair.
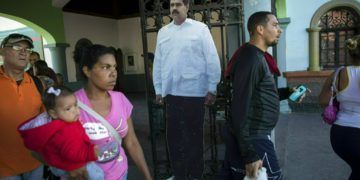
89,55
150,57
60,75
353,46
41,67
35,53
186,2
256,19
49,99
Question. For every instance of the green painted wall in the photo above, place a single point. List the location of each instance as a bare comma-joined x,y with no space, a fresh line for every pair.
280,8
37,14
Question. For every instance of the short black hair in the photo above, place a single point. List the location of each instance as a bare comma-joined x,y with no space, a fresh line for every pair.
41,64
59,74
150,56
49,99
256,19
36,53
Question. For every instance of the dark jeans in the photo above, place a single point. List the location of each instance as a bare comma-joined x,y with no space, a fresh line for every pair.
234,167
185,119
345,142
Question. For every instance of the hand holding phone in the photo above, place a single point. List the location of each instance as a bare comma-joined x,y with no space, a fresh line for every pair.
299,91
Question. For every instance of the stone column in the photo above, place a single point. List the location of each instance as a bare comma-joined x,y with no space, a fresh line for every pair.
58,57
314,45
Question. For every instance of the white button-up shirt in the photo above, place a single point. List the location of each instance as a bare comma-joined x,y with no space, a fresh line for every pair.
186,60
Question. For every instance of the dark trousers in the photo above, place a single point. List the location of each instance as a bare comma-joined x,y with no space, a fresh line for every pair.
345,142
185,119
234,166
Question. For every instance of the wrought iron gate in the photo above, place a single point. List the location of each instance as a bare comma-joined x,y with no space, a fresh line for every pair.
225,19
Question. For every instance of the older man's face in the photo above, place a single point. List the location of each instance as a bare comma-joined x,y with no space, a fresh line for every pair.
16,59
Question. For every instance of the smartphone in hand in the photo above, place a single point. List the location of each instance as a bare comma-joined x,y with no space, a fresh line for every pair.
299,91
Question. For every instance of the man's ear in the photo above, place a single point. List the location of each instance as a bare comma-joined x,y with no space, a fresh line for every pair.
260,29
53,114
86,71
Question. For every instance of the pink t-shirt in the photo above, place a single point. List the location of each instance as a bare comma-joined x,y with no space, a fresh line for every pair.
112,160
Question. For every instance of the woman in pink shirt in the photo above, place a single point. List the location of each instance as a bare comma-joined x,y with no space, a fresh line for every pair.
98,66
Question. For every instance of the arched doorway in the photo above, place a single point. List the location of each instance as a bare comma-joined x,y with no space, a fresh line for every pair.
9,25
335,21
45,44
337,25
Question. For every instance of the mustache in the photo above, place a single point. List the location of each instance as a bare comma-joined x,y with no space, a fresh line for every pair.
175,11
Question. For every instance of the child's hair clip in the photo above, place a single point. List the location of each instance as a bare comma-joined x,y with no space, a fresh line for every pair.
56,92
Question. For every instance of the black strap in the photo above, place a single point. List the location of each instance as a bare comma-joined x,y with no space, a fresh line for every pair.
339,80
38,84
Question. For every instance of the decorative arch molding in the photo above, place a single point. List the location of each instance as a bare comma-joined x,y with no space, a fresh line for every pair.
314,29
332,4
49,38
